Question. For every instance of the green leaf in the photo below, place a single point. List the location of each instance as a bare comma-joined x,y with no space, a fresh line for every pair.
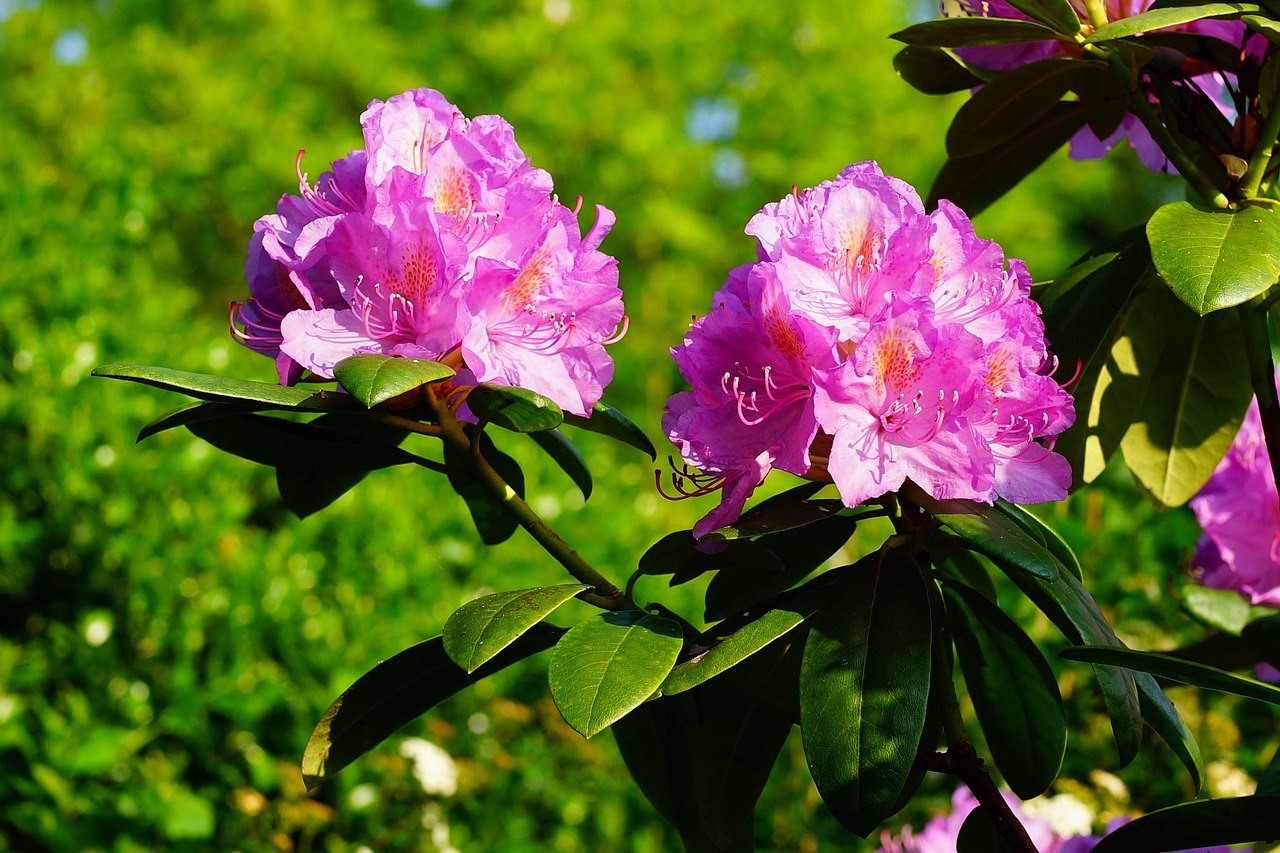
677,554
310,488
1224,609
1186,379
1013,689
659,744
974,183
1266,27
493,521
1176,669
963,566
991,531
608,421
1043,534
606,666
1214,259
1198,824
973,32
776,519
516,409
933,71
393,693
1264,635
1158,19
480,629
288,444
864,687
1013,102
1058,14
1158,711
566,454
193,412
374,379
224,389
978,834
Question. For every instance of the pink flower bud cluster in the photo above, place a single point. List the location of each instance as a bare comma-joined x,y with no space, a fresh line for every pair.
1239,511
870,343
438,240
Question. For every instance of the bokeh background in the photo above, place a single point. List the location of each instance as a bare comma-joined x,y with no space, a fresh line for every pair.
169,633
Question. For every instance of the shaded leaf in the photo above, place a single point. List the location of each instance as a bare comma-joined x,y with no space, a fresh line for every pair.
1214,259
311,488
1157,19
608,421
1176,669
978,834
1198,824
1158,711
566,454
393,693
1224,609
962,565
193,412
221,388
1058,14
933,71
288,444
973,32
480,629
659,744
1044,534
372,378
1264,635
677,554
516,409
493,521
606,666
776,519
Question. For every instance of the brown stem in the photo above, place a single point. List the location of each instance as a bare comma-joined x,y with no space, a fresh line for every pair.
961,760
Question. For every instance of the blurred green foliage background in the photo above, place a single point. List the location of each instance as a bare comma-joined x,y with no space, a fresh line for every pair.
169,634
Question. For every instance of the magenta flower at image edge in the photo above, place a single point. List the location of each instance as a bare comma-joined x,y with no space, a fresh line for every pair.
871,343
438,240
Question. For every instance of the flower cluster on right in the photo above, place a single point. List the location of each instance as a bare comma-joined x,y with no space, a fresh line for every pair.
871,343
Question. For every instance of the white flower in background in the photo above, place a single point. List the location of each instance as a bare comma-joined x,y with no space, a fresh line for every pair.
1065,814
434,768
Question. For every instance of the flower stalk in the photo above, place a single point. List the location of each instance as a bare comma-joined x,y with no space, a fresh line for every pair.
1261,159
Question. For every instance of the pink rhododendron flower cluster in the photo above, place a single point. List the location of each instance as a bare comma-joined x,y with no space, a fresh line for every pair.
1086,145
1240,513
870,343
438,240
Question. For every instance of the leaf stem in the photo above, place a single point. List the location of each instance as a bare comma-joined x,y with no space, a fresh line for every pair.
1096,11
1261,158
1262,371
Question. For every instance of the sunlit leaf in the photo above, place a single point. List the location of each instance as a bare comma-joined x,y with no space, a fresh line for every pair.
480,629
1214,259
1059,14
1044,535
374,379
516,409
222,388
1224,609
1157,19
608,421
1176,669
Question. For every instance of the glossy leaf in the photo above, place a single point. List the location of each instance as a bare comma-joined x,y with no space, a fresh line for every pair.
933,71
608,421
1197,825
1013,689
1187,382
864,687
1157,19
974,183
973,32
516,409
776,519
677,554
194,412
310,488
372,378
1176,669
395,692
1214,259
1159,713
1043,534
221,388
493,521
566,454
480,629
1266,27
962,565
606,666
1013,102
978,834
288,444
1224,609
1058,14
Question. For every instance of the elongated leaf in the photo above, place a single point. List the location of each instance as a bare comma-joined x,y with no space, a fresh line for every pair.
659,744
566,454
480,629
311,488
606,666
677,554
288,444
933,71
374,379
606,420
1176,669
1199,824
1158,711
1224,609
1264,635
395,692
1013,102
973,32
1013,689
1044,534
1158,19
974,183
1187,382
1058,14
1266,27
193,412
222,388
776,519
864,688
516,409
1214,259
493,521
963,566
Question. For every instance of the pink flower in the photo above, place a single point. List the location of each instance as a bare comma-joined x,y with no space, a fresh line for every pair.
1240,513
438,241
940,834
871,343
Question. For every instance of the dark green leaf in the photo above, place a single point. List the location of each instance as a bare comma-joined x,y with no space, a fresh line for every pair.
1268,28
1199,824
493,521
974,183
374,379
1186,379
606,420
1264,635
606,666
962,565
864,687
1214,259
1014,692
221,388
1013,102
1158,711
1224,609
978,834
659,744
480,629
973,32
1269,781
1058,14
516,409
566,454
1176,669
311,488
1044,534
775,519
933,71
1157,19
395,692
288,444
677,554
